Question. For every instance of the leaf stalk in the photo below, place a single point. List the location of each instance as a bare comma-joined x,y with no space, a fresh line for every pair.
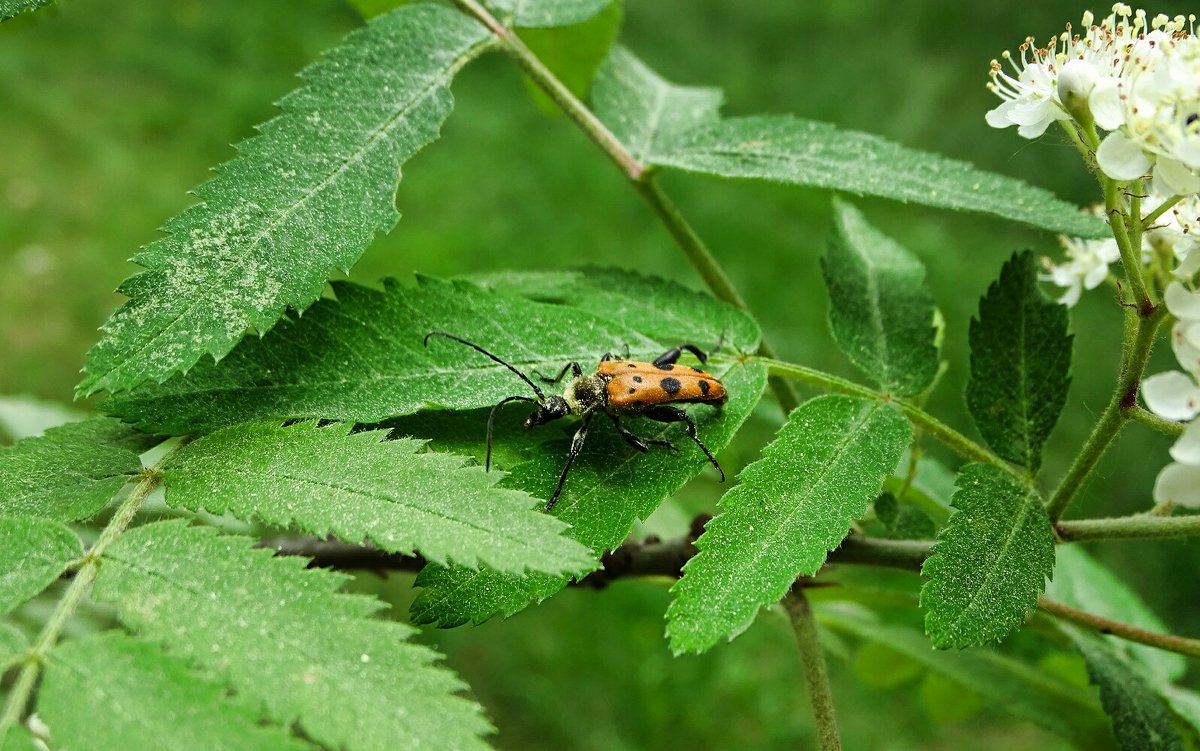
18,698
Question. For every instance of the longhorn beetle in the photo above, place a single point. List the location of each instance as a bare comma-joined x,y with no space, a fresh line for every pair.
618,388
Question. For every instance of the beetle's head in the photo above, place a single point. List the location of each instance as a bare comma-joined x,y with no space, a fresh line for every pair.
552,409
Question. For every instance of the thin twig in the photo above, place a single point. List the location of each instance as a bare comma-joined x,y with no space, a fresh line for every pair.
1168,642
820,693
1142,526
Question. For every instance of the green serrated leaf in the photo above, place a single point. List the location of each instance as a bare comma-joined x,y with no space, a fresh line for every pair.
789,509
1020,364
803,152
10,8
644,110
1141,719
991,561
72,471
1007,684
113,692
12,646
573,53
360,358
305,197
26,417
285,640
1082,582
610,487
880,312
33,553
362,487
664,311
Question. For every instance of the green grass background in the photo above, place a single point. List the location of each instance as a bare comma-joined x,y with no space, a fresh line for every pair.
111,111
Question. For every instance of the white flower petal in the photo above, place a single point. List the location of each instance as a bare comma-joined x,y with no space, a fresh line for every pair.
1172,395
1178,484
1187,449
1076,81
1072,295
1105,104
1189,267
1187,355
1191,332
1000,117
1173,176
1035,129
1182,302
1095,276
1188,152
1122,158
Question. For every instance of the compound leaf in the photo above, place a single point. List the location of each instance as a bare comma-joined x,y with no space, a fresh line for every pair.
1082,582
610,487
1141,719
304,197
72,471
788,510
360,358
880,312
991,561
112,691
644,110
362,487
1020,364
33,553
285,640
803,152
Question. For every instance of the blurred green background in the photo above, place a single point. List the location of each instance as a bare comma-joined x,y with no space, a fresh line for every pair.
110,112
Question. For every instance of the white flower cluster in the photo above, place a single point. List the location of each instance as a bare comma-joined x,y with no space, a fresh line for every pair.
1086,266
1175,395
1175,236
1138,79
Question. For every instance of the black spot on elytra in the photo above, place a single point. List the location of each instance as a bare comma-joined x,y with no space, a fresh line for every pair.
637,379
704,387
665,366
633,364
633,391
670,385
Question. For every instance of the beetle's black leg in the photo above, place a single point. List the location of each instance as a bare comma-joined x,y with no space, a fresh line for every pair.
671,356
487,463
639,443
663,413
576,447
574,367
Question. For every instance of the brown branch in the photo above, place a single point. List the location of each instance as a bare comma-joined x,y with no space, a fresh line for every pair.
646,557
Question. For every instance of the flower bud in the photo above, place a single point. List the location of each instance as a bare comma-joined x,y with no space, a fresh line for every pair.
1075,82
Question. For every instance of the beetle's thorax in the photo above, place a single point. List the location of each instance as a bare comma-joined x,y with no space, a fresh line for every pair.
585,394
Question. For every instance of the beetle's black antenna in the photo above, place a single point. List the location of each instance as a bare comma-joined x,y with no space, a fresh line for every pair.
487,463
477,348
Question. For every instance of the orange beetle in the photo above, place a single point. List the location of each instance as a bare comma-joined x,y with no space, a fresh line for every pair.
618,388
